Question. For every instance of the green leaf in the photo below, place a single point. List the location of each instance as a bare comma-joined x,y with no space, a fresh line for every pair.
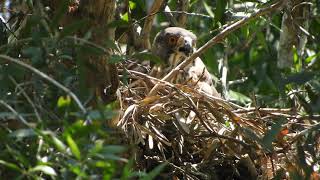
144,55
116,58
118,24
35,53
127,170
63,101
112,149
73,146
10,165
111,157
152,174
22,133
45,169
219,11
236,96
312,57
208,9
59,144
132,5
261,39
300,78
271,135
125,17
77,170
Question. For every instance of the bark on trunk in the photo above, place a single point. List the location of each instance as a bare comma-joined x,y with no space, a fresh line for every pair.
102,77
295,21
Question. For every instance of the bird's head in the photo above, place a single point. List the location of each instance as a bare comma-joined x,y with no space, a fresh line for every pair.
174,44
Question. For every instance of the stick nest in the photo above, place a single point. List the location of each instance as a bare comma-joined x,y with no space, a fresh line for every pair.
203,137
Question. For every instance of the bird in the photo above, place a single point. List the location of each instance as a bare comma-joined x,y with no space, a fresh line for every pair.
173,45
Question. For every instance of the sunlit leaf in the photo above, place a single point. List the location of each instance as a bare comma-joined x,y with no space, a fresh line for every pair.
63,101
236,96
45,169
23,133
73,146
208,9
59,144
125,17
132,5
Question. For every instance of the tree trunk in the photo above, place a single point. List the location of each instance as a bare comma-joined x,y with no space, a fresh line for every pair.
102,76
295,20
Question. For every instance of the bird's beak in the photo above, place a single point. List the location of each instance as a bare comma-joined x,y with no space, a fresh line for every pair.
186,46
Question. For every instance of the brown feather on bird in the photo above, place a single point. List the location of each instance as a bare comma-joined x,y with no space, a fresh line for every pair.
175,44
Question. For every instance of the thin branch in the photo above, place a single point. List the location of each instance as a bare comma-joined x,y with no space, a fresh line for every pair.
264,110
218,38
214,134
21,118
169,15
27,97
46,77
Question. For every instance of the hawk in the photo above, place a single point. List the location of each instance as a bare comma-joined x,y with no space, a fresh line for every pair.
175,44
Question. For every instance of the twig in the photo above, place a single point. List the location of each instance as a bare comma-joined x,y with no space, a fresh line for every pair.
27,97
169,15
218,38
21,118
192,14
268,110
214,134
314,127
46,77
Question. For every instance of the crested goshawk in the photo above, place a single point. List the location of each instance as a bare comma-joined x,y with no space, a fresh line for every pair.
175,44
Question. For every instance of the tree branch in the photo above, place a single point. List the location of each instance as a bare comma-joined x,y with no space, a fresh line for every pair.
218,38
46,77
21,118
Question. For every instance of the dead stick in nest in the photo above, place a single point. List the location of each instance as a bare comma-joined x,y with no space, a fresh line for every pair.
202,94
212,133
218,38
194,108
268,110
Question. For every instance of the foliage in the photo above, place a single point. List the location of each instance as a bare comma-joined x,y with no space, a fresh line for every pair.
51,130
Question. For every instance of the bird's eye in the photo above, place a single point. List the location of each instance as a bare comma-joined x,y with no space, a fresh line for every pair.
173,40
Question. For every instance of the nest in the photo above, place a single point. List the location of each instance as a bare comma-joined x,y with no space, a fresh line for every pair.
200,136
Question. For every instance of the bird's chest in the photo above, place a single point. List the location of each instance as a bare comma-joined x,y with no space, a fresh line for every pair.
183,75
195,74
